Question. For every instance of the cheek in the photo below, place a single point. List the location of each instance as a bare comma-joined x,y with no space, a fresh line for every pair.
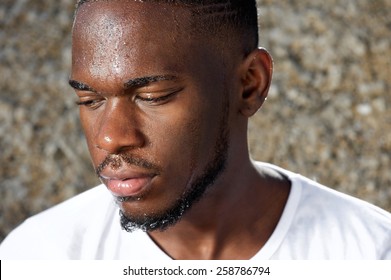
176,134
87,122
183,136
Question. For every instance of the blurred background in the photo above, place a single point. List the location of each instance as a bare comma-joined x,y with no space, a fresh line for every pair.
327,116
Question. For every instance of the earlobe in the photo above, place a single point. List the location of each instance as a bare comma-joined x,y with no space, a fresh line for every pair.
256,78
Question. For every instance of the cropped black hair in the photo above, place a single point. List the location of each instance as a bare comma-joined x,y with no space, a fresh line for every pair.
239,16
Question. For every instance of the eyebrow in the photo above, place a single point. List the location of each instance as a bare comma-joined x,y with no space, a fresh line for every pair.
80,86
132,83
144,81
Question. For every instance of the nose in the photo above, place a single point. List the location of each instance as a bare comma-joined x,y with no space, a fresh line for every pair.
118,128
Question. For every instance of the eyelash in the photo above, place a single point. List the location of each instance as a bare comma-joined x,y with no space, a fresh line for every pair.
154,100
159,99
92,104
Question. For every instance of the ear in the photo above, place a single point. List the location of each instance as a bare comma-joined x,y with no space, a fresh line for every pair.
256,76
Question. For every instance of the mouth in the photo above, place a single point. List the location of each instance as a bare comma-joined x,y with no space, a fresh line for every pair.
127,177
124,188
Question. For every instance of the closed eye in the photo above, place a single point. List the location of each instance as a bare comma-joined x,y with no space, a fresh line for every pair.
157,98
90,104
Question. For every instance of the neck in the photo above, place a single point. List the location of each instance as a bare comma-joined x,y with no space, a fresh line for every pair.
233,220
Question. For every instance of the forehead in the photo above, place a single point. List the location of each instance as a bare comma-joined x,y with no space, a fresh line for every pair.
108,36
98,16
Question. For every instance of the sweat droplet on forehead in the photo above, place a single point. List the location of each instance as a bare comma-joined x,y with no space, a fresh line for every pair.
112,39
105,36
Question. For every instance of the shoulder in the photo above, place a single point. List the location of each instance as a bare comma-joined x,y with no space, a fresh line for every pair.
354,228
339,206
314,195
325,223
52,232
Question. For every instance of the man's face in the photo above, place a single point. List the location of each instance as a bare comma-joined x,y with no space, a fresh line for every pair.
154,106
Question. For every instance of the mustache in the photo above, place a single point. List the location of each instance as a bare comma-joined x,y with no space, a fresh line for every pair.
115,162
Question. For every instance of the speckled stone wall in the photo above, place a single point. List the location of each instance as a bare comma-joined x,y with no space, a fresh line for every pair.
327,116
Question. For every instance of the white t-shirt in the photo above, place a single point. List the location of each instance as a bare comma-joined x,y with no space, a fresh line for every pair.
317,223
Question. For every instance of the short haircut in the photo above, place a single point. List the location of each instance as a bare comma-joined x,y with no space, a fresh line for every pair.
217,16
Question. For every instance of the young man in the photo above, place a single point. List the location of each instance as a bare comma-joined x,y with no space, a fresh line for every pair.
165,91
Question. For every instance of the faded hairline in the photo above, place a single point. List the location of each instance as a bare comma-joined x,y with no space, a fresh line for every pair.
219,18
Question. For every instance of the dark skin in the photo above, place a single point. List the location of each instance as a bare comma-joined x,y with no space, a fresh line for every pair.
148,88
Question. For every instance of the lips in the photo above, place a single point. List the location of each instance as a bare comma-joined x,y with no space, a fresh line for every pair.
128,183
